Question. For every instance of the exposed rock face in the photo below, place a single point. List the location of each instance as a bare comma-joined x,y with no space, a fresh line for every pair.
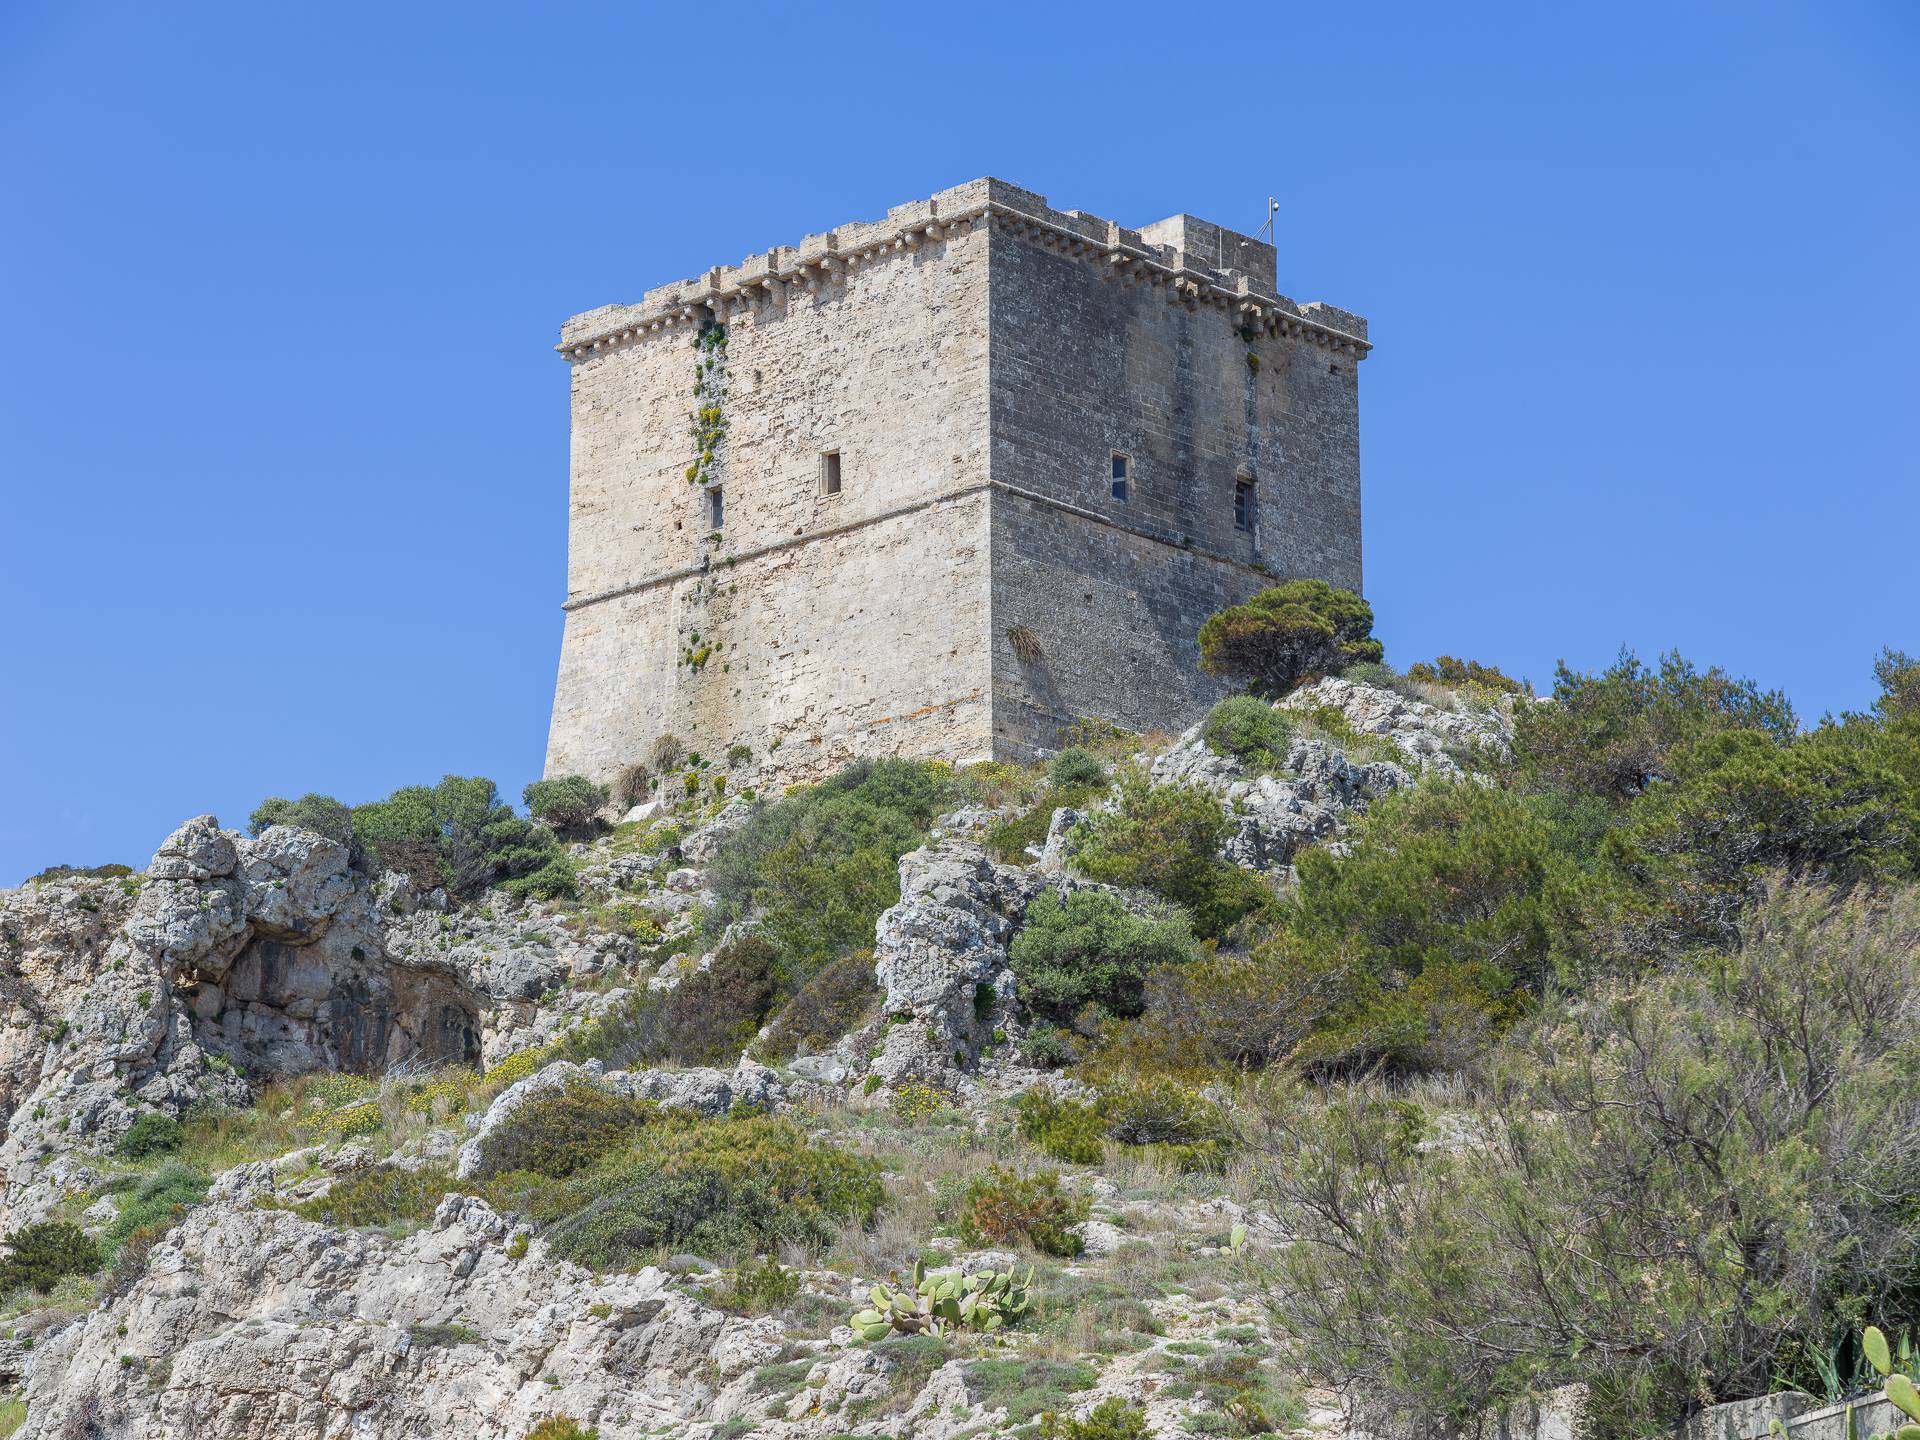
1320,784
1274,815
323,1333
235,959
1431,738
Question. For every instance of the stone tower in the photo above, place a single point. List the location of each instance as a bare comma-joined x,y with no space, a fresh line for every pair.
941,484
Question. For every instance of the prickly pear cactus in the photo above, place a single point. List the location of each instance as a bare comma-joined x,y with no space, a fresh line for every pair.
942,1301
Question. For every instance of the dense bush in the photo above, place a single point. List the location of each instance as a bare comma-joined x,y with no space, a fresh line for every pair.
1003,1206
1611,734
1185,1129
321,814
1288,633
819,866
1456,905
1089,953
384,1195
1839,804
1453,908
1076,766
1166,839
1070,1130
708,1018
39,1256
611,1181
1249,729
1661,1195
562,1427
1457,674
826,1007
1112,1419
153,1133
160,1199
459,834
563,1131
571,804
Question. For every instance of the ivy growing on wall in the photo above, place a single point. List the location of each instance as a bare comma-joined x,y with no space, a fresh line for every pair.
708,418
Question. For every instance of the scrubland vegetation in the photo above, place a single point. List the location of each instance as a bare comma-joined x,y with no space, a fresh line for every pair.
1595,1064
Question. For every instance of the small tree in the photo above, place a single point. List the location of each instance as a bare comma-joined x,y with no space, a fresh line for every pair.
1287,633
571,804
39,1256
667,752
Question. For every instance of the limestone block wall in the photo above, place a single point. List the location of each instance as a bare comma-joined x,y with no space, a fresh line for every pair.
832,624
1090,360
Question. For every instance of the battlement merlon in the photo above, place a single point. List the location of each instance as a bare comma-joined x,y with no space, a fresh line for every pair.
1200,261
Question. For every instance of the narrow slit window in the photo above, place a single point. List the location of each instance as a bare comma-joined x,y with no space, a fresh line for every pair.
1243,505
830,473
716,508
1122,473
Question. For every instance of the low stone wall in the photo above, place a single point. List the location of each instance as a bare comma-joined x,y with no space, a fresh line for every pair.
1801,1416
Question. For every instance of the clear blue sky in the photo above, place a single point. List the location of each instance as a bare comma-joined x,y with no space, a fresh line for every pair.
283,444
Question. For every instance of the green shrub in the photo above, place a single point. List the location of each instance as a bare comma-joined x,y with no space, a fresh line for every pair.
1452,909
457,833
819,866
442,1336
384,1195
79,872
562,1427
152,1133
739,754
1002,1206
1251,730
1467,675
321,814
1111,1419
1839,804
160,1199
1028,1385
563,1131
1288,633
1185,1128
40,1255
556,879
1688,1177
1008,837
732,1187
571,804
1076,766
1611,734
759,1288
1166,839
1089,952
1069,1130
827,1007
708,1018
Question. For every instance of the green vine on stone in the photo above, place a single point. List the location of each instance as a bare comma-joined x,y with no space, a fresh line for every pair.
708,419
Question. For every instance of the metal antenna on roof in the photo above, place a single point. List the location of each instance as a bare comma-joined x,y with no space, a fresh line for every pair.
1273,209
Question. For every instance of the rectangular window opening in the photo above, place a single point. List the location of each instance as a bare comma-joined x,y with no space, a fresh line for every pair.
1243,505
1122,472
716,508
830,473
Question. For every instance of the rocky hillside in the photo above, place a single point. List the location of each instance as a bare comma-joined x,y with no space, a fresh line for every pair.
297,1145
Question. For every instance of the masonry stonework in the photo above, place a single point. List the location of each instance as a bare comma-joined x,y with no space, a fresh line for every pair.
975,361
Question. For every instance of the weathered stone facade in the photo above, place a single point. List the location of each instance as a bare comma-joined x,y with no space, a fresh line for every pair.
972,365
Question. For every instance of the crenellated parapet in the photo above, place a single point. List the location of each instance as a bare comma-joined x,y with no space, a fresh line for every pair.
1188,262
